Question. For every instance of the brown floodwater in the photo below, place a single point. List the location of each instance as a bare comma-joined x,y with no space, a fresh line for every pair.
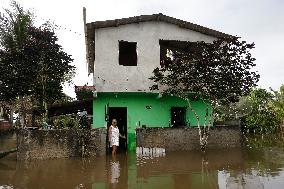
259,164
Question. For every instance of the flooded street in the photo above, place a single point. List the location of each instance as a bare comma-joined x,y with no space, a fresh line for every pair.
260,164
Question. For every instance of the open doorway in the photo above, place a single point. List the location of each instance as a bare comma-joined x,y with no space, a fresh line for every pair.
120,114
178,116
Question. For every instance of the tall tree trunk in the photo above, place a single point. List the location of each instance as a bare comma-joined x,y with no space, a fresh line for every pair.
45,114
22,113
202,131
43,83
12,114
1,112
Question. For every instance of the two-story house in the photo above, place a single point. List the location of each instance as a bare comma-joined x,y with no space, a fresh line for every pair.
122,55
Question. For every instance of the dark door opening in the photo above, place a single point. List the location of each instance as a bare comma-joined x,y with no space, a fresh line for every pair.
120,114
178,116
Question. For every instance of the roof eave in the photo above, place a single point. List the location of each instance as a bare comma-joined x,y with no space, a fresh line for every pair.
162,18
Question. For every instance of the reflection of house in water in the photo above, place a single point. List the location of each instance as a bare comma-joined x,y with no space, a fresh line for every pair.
179,170
187,170
122,55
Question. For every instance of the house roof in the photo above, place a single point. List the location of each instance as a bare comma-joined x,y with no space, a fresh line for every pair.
160,18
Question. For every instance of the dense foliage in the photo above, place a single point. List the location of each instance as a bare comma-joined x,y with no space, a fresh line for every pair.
262,115
65,121
15,74
218,72
260,111
32,63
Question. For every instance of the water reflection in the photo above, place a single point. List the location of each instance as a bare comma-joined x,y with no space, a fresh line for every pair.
188,169
259,165
8,141
114,172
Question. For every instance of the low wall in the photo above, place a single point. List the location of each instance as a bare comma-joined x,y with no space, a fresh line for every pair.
48,144
174,139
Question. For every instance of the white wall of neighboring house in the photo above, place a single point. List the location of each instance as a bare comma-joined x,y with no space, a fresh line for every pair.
1,113
109,76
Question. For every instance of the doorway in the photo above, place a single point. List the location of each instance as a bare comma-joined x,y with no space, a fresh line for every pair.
120,114
178,116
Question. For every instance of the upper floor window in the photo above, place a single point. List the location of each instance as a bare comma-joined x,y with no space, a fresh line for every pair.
165,53
168,47
127,53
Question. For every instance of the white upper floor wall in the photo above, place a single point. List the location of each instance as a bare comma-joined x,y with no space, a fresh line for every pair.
109,76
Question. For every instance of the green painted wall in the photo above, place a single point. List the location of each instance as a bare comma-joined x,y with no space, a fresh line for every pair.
158,116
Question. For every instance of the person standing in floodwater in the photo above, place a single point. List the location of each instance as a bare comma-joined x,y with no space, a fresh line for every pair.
114,135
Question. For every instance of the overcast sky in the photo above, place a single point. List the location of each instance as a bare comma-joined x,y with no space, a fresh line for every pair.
259,21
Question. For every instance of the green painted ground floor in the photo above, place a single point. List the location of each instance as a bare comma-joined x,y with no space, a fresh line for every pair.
134,110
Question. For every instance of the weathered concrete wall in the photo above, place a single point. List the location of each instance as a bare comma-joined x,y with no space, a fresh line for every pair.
109,76
48,144
174,139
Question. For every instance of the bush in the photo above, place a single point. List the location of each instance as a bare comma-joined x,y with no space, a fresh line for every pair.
261,111
262,121
65,121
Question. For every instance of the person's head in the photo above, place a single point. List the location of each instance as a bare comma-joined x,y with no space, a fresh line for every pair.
114,122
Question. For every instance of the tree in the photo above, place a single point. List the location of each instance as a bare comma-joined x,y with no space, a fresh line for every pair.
279,103
215,73
265,115
234,110
53,66
260,111
13,37
32,63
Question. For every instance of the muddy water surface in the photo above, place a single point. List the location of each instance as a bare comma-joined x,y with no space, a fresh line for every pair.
259,164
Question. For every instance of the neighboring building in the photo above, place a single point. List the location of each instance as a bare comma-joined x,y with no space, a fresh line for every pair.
122,55
4,123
